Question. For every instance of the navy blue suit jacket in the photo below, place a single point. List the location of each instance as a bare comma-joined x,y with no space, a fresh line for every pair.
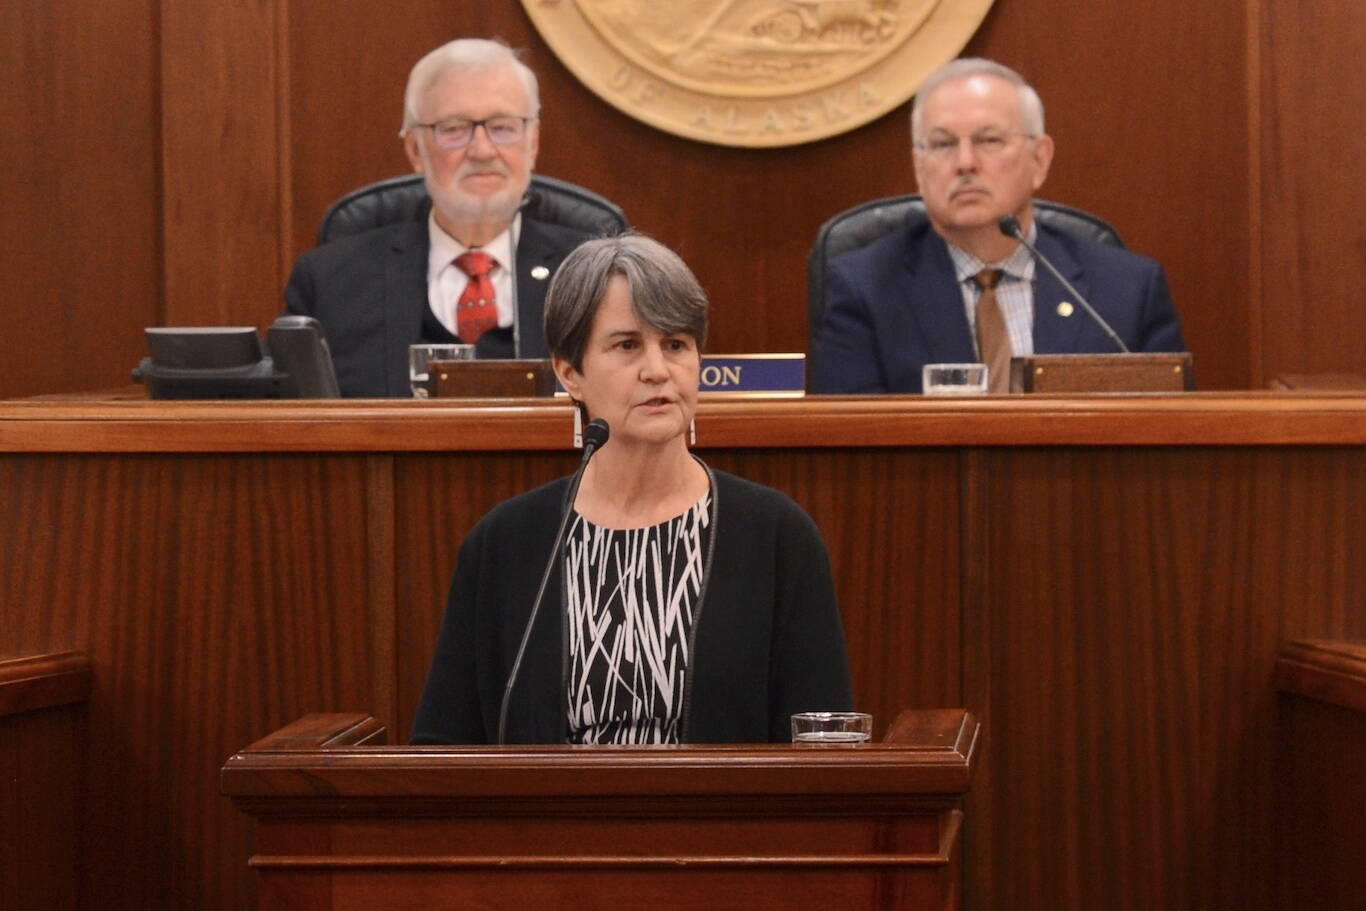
895,305
369,291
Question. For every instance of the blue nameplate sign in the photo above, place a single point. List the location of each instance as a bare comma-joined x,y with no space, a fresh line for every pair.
753,374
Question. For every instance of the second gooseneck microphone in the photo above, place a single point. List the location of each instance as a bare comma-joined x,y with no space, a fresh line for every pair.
594,436
1010,227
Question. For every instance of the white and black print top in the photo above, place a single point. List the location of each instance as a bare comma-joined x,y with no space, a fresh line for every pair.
632,597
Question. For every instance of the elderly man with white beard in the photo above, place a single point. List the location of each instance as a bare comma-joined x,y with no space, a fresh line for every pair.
476,270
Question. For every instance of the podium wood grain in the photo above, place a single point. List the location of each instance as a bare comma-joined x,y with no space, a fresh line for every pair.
343,821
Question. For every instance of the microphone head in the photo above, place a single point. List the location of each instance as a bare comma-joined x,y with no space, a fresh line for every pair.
1010,226
596,433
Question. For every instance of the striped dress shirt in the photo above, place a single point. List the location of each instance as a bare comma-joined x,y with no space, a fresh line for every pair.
1014,294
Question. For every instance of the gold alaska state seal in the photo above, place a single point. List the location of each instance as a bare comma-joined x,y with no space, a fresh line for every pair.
755,72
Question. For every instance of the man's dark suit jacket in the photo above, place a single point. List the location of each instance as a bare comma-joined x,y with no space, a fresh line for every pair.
369,291
895,305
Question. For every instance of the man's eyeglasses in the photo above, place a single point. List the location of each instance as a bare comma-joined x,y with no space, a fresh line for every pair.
457,132
986,144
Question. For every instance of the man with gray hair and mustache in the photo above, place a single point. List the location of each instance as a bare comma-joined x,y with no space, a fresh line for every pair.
956,289
476,269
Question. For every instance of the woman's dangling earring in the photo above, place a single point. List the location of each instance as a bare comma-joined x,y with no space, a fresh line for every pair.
692,431
578,426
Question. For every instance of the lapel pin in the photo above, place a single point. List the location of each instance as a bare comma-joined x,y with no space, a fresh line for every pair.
1064,309
540,273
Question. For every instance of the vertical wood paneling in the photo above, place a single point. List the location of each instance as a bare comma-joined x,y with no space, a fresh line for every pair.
382,595
79,209
222,152
1138,603
217,598
1256,166
1314,232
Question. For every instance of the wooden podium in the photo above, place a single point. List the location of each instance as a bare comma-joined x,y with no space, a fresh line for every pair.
345,823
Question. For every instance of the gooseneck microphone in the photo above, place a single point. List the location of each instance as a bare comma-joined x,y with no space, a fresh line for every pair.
1010,227
594,436
529,199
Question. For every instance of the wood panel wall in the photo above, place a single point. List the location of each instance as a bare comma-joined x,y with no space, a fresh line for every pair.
1109,597
1313,239
168,161
80,207
1159,794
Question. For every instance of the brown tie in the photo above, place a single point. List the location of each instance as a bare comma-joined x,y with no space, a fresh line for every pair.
475,312
993,341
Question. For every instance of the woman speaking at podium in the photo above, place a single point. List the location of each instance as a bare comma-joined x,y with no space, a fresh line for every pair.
679,604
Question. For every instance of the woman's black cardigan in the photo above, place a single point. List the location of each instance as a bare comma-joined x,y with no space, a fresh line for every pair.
768,634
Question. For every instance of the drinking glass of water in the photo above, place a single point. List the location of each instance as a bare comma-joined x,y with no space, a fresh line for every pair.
954,379
832,727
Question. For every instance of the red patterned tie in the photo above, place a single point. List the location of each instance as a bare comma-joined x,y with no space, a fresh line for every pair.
476,312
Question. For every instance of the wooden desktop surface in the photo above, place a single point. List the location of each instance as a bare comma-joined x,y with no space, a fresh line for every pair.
1103,581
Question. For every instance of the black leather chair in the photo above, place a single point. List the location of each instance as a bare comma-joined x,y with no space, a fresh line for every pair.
405,199
858,227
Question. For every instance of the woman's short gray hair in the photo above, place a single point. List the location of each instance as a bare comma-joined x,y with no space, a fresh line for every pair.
470,55
665,295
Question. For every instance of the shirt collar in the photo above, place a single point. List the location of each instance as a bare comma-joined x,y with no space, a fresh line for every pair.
1018,265
443,249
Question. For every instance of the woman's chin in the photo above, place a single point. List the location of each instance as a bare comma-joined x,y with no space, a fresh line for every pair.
652,430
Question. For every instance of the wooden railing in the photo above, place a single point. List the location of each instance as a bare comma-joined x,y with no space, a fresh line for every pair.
40,779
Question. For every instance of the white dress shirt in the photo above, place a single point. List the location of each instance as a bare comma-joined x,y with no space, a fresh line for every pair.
446,280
